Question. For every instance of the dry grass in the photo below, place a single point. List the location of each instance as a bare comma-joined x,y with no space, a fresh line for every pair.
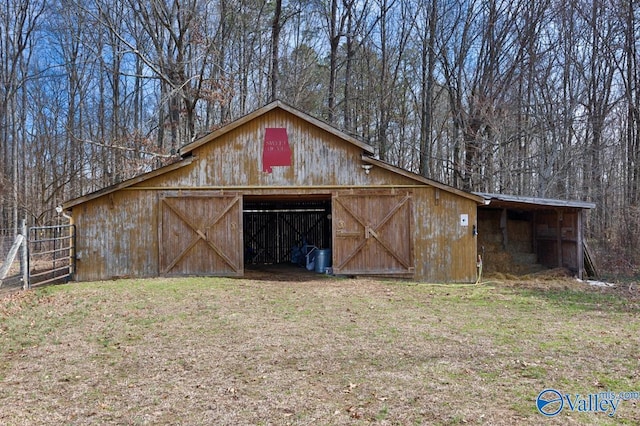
312,351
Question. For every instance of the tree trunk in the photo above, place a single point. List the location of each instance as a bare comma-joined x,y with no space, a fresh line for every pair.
276,27
428,80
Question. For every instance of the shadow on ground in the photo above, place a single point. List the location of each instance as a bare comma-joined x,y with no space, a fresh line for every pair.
287,272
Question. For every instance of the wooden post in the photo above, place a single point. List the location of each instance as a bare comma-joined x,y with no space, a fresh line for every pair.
504,227
559,236
24,256
579,243
534,235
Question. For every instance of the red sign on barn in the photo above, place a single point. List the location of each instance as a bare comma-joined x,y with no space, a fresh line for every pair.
276,150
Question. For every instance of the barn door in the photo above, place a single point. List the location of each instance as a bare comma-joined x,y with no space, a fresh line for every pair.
372,233
201,235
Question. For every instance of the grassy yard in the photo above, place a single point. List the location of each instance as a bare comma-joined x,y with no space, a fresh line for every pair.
315,351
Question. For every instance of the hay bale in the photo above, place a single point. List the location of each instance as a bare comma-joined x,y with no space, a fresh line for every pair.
496,261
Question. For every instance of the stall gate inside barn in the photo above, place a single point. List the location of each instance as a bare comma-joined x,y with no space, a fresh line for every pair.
273,230
51,254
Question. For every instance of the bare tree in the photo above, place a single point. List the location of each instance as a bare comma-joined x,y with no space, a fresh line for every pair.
427,74
19,21
536,98
276,28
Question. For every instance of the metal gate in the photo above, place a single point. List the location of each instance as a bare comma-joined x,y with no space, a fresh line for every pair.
51,254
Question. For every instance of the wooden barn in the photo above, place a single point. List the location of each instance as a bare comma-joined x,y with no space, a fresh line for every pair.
267,189
522,235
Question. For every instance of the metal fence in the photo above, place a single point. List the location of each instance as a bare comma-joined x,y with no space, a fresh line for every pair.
51,254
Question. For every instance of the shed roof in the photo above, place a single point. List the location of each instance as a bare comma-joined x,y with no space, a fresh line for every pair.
531,202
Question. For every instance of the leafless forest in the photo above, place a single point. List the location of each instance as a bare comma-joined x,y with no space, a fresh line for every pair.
538,98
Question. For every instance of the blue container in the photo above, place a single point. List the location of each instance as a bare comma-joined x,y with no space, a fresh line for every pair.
323,260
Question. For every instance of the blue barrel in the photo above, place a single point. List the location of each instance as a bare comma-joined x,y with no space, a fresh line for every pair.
323,260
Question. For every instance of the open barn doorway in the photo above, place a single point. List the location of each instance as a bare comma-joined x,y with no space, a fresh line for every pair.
282,230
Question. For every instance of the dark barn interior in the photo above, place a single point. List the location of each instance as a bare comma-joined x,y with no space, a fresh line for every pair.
275,228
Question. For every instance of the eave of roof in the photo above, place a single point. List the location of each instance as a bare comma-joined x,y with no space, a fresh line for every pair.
532,201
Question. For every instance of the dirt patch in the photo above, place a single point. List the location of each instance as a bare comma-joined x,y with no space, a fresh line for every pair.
285,272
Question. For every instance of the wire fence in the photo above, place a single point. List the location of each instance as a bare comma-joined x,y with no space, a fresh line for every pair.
11,274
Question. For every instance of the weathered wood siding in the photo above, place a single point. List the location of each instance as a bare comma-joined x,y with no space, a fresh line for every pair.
200,234
445,251
372,232
129,232
117,236
318,159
